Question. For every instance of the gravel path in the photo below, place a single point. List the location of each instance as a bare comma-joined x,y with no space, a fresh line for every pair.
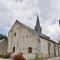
55,58
4,59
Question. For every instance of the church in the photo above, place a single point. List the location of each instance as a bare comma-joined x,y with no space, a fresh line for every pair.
31,42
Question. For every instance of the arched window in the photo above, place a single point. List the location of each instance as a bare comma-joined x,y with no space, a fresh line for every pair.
30,50
13,49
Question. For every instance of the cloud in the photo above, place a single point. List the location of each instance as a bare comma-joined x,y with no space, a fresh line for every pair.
26,10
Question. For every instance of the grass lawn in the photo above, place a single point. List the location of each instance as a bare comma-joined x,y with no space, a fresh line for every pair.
4,59
37,59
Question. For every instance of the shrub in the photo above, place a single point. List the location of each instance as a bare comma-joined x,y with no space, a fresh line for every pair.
18,57
4,56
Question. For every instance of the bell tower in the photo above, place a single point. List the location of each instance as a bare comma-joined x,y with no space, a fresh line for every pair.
38,27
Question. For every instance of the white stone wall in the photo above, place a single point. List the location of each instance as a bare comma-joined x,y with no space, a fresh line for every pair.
23,39
56,50
29,41
44,47
52,49
3,47
59,49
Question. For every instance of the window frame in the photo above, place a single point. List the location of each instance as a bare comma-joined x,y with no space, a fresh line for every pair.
29,49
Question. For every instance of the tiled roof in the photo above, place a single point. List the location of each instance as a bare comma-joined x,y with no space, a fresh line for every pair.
2,40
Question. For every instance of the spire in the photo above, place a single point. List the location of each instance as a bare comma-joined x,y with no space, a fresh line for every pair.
38,23
38,27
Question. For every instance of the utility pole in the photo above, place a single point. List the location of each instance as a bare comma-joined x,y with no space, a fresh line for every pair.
59,30
59,39
59,23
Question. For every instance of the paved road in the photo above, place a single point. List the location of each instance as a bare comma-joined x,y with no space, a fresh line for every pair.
55,58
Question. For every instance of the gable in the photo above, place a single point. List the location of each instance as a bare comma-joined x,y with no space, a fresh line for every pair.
18,24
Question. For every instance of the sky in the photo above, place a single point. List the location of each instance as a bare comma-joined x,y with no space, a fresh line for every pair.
26,12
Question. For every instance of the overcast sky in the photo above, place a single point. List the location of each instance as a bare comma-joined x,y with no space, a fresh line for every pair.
26,12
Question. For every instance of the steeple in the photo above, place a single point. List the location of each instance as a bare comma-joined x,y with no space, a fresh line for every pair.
38,27
38,23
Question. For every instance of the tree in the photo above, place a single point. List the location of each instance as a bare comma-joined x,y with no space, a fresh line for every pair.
58,42
3,36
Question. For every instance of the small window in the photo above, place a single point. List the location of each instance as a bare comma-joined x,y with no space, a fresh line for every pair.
26,36
40,29
36,29
26,49
23,36
13,49
36,48
30,35
14,34
29,50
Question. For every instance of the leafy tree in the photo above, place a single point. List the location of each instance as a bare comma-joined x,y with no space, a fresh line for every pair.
3,36
58,42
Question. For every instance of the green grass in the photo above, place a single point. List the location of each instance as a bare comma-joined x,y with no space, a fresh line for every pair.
37,59
4,56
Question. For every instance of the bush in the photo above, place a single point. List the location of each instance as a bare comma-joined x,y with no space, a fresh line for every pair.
4,56
18,57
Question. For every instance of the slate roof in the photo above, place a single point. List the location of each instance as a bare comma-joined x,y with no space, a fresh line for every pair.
47,38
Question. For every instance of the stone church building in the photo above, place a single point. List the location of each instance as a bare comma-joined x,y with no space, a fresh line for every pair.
31,42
